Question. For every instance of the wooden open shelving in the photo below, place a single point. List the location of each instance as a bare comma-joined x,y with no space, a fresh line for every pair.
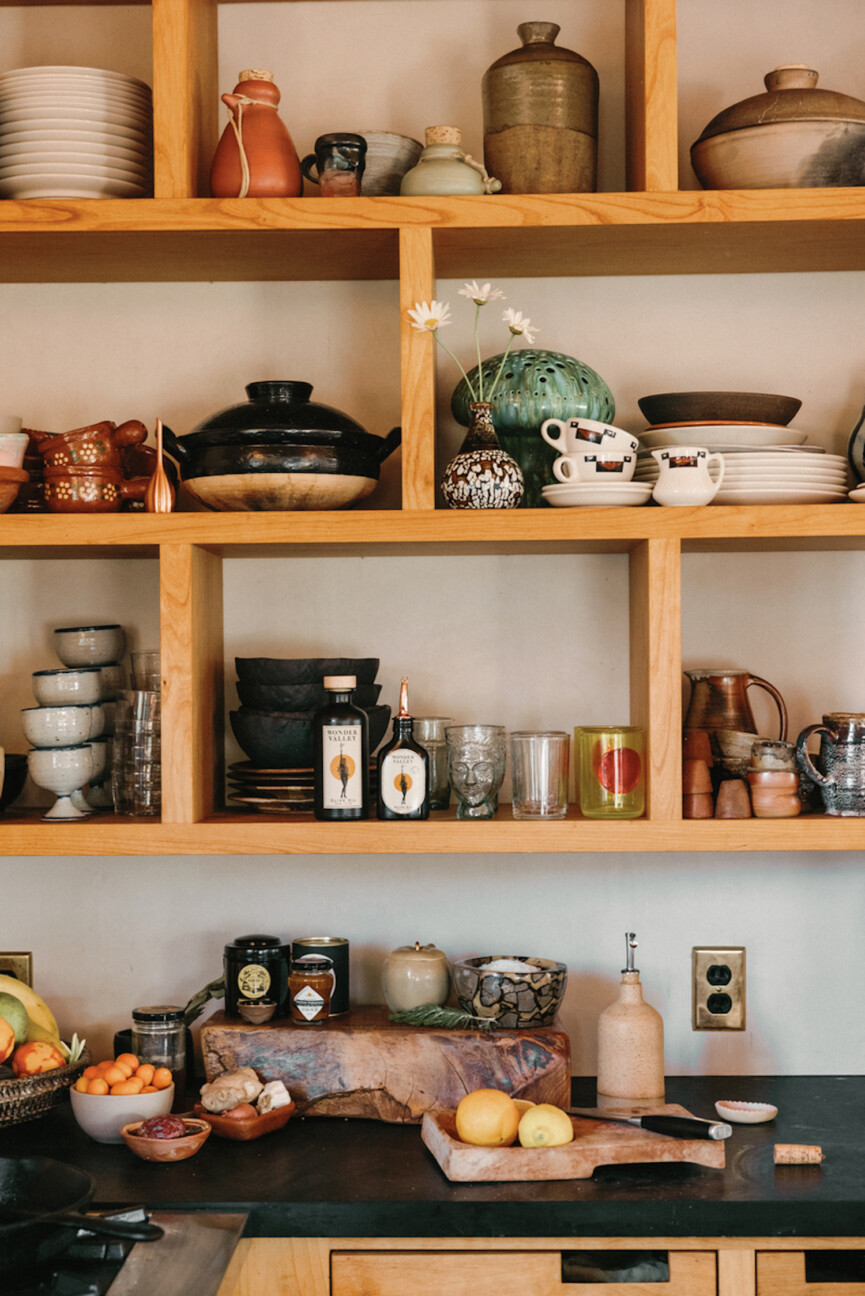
652,229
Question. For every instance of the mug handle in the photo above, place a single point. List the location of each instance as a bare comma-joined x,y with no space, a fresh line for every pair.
306,167
805,762
554,441
559,467
779,702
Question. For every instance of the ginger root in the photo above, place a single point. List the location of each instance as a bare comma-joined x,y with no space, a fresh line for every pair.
228,1090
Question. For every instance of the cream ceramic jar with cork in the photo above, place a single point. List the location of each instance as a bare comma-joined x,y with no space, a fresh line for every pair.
414,975
630,1044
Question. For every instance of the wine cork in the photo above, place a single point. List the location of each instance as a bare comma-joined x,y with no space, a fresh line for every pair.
798,1154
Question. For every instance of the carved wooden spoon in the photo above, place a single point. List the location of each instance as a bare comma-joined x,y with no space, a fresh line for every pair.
159,497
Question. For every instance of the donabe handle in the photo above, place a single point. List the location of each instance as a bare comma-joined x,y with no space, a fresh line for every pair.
685,1127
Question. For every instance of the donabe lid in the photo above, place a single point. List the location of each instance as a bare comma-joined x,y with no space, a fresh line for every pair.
791,96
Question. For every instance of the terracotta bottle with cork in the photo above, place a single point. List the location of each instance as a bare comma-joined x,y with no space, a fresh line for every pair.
630,1044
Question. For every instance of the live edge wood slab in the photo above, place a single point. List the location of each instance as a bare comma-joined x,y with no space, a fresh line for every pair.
362,1064
595,1143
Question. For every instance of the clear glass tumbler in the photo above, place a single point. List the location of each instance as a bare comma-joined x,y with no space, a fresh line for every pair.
539,773
612,765
430,733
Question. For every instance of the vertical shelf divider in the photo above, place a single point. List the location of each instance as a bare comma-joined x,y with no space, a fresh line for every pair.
185,96
655,570
651,96
191,637
417,365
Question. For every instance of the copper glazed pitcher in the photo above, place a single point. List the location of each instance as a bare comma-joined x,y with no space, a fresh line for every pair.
719,700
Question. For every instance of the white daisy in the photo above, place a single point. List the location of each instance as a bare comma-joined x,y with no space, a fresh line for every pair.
518,325
480,296
427,317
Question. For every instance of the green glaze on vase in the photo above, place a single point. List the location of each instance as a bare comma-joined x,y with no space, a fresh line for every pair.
535,385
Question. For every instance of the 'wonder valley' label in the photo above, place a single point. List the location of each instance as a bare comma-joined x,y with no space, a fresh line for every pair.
402,781
342,756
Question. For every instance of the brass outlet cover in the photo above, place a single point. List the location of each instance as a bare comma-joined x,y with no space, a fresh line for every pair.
718,987
19,966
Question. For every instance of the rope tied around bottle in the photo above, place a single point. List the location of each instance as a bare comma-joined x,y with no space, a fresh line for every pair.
237,126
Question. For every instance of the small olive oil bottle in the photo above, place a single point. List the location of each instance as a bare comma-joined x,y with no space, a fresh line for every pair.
403,770
340,754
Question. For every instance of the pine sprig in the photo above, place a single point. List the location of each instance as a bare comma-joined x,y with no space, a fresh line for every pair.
446,1018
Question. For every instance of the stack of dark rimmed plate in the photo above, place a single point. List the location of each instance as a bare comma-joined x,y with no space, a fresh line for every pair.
273,725
75,132
765,460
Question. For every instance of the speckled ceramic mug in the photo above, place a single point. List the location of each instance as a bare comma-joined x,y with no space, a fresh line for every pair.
842,758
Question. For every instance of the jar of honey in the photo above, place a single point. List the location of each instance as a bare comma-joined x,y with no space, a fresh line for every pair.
310,986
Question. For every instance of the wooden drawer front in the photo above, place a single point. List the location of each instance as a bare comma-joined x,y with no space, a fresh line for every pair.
782,1273
490,1273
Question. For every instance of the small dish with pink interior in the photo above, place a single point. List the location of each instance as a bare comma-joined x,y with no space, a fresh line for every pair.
745,1113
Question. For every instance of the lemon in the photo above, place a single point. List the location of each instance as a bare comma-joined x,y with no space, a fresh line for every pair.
488,1118
545,1126
14,1012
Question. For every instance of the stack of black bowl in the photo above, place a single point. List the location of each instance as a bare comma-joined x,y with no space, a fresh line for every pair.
273,725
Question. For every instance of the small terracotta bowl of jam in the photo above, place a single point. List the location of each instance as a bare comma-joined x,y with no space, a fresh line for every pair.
177,1148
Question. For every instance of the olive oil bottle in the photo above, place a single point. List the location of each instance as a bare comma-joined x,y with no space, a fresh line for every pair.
340,754
403,770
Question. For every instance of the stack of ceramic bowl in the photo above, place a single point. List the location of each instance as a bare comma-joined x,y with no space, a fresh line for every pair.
273,725
74,132
64,730
595,467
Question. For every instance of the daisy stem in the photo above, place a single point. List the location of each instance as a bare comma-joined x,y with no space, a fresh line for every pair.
501,367
478,349
456,362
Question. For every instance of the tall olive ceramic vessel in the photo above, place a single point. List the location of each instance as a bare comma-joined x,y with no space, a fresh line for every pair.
540,107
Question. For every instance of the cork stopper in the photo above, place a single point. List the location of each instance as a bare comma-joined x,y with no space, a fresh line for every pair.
255,74
443,135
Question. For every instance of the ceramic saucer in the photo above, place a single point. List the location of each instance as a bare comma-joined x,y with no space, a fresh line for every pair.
778,495
745,1113
590,495
857,495
728,435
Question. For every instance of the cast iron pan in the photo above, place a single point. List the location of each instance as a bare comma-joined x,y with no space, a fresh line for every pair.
40,1201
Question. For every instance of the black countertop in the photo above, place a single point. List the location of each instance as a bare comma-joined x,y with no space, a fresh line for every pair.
331,1177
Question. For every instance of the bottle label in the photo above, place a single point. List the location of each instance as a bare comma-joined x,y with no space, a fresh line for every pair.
308,1002
342,755
402,782
253,981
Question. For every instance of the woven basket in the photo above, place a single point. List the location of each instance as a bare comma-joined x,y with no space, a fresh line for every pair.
27,1099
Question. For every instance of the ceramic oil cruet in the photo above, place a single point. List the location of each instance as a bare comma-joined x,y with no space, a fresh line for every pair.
255,157
719,700
842,758
444,168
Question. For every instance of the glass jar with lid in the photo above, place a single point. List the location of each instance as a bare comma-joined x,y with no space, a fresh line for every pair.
159,1037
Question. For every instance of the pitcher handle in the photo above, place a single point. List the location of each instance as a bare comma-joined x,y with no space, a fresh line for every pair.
722,464
779,702
805,762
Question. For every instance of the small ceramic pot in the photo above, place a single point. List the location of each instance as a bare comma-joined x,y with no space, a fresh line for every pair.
94,489
413,975
256,1011
89,645
58,687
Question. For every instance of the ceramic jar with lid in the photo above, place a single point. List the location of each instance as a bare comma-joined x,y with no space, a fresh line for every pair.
444,168
795,135
413,975
540,106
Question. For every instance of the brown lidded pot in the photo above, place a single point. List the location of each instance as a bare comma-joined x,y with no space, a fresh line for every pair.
97,444
90,489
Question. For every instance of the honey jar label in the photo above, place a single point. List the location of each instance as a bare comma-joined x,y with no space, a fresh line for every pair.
308,1002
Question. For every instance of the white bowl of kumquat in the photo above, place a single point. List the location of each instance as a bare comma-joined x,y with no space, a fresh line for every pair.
114,1093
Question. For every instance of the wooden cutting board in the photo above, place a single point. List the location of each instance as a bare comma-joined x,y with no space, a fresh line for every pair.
362,1064
596,1143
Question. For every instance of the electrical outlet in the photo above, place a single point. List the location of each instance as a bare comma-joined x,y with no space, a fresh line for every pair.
718,987
18,965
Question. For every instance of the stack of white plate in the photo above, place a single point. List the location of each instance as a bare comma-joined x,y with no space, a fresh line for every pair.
73,132
720,435
597,494
797,475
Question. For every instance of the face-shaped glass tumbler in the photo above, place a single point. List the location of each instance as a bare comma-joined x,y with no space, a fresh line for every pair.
476,767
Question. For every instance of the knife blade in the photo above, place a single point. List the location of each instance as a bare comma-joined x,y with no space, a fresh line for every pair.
687,1127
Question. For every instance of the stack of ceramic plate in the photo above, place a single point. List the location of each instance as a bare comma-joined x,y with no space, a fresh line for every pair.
797,475
276,791
72,132
720,435
597,494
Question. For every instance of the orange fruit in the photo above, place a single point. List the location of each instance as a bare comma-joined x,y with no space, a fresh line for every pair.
113,1075
97,1086
130,1086
127,1060
82,1084
487,1118
150,1089
90,1073
146,1072
36,1057
161,1078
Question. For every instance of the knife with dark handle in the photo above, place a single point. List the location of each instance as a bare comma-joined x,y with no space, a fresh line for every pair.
687,1127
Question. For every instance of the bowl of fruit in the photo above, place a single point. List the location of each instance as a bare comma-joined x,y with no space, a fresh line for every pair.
165,1138
120,1091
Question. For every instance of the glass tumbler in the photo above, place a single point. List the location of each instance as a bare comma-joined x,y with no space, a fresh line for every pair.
477,755
612,763
539,773
430,733
146,671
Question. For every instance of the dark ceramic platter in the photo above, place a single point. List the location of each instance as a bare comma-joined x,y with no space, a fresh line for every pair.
711,406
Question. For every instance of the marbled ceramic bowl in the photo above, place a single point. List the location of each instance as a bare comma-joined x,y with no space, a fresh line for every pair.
513,999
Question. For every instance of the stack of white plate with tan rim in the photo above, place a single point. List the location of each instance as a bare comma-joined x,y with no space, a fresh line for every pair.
75,132
796,475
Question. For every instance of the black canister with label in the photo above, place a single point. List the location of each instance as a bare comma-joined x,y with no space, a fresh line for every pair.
336,949
256,968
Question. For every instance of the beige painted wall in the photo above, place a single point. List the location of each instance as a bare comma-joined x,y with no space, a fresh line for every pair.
522,640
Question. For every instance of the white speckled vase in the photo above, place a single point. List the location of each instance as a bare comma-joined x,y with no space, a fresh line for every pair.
482,475
630,1048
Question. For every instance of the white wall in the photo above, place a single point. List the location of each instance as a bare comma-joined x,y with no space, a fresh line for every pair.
524,640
